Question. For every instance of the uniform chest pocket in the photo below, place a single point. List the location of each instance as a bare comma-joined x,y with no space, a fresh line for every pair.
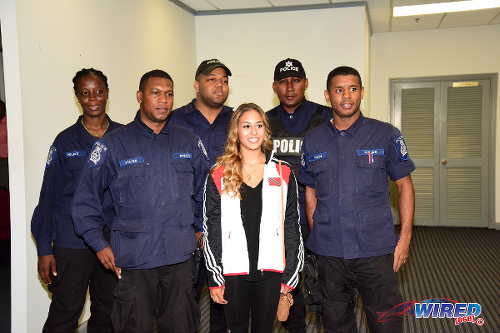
324,178
73,167
184,175
75,164
132,185
370,173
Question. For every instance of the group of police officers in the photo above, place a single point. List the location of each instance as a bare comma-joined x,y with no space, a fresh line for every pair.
120,209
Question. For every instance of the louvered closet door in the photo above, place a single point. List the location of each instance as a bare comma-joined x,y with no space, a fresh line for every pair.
464,154
446,126
417,104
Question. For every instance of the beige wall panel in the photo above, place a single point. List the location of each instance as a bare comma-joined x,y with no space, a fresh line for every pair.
252,44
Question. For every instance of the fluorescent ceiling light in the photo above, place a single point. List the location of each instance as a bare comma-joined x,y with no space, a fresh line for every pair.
445,7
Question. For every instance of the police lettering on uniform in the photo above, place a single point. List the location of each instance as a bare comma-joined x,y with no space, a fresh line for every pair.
208,118
345,165
155,175
65,262
287,146
293,118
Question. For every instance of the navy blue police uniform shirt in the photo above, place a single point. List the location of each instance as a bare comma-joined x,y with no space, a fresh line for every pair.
52,224
212,135
156,182
349,170
288,131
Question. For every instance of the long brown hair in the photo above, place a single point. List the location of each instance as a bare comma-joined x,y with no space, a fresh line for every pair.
231,159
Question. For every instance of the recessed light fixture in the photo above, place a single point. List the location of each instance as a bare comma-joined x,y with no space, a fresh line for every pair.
445,7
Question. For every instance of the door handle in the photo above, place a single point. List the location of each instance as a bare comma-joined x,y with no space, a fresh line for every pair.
444,161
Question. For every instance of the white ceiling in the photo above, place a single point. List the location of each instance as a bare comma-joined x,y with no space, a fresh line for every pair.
380,12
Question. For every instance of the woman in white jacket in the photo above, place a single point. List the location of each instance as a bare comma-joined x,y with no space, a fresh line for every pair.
253,246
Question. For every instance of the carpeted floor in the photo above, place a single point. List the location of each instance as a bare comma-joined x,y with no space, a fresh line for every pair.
462,264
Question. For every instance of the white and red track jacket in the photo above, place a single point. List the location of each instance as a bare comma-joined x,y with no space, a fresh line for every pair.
280,245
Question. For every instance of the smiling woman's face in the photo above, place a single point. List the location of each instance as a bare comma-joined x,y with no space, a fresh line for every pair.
92,95
251,130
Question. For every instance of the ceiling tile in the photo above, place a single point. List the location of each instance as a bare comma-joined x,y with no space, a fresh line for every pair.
240,4
338,1
380,15
280,3
469,18
407,23
416,2
496,20
198,4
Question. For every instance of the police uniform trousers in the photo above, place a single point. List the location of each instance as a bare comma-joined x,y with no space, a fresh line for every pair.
77,270
375,281
159,300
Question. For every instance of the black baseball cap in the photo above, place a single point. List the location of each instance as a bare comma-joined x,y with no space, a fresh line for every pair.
209,65
288,68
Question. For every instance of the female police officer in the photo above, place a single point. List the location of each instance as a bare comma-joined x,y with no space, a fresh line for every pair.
65,262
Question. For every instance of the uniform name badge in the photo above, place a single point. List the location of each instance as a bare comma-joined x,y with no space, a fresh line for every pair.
370,153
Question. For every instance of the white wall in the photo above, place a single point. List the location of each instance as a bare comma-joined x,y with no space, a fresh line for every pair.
427,53
252,44
124,38
2,83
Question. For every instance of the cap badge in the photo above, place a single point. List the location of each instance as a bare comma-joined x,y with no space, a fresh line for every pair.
289,67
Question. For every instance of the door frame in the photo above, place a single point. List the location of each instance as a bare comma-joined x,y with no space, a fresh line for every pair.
22,270
492,105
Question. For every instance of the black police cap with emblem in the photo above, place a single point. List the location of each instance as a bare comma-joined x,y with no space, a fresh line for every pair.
288,68
209,65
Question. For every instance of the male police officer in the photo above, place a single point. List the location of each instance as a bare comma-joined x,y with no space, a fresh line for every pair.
155,175
345,167
293,118
208,118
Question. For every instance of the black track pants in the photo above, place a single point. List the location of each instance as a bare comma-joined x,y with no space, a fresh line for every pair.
260,298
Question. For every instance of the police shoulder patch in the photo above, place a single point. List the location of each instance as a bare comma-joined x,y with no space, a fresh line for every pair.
401,148
51,155
97,154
